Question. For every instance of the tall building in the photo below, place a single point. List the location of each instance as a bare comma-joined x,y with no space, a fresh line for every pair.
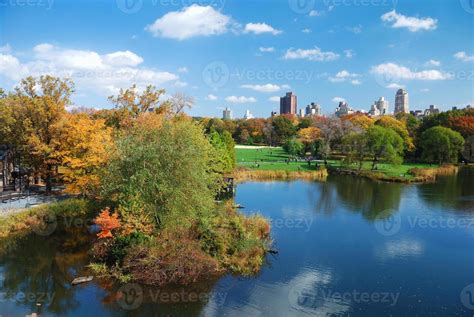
301,113
382,106
248,115
313,110
343,109
431,110
288,104
401,102
227,114
374,110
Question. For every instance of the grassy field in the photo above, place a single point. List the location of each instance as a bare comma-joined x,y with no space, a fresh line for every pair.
274,159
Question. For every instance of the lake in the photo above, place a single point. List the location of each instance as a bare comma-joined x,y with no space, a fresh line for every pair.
346,247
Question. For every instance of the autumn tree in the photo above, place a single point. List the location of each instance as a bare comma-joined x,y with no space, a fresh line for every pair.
400,128
40,108
84,146
308,136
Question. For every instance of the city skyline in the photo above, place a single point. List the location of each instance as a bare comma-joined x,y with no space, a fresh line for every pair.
224,54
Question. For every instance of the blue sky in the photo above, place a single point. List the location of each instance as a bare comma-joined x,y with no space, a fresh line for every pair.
244,54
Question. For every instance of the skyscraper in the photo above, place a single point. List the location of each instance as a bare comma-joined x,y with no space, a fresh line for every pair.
227,114
313,110
288,104
401,102
382,106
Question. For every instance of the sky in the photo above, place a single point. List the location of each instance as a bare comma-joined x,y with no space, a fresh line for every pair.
246,54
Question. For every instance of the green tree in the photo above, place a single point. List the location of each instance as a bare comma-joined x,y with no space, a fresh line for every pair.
384,144
355,145
161,173
294,147
283,129
441,145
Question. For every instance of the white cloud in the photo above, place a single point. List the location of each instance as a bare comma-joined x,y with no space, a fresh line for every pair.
344,75
274,99
263,88
338,99
240,99
191,21
394,71
349,53
11,67
211,97
91,71
123,58
462,56
395,86
413,24
267,49
307,31
433,62
260,28
182,70
314,54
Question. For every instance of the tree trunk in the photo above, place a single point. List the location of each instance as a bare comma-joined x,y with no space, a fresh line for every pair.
374,163
49,180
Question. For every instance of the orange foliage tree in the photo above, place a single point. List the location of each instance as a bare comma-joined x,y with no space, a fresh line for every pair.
107,222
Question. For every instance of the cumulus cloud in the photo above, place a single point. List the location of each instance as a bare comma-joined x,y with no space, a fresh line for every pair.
189,22
267,49
398,72
314,54
264,88
211,97
338,99
433,62
395,86
260,28
307,31
413,24
463,56
240,99
5,48
274,99
91,71
343,76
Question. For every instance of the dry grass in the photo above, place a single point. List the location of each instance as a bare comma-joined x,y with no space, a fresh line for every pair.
260,175
430,174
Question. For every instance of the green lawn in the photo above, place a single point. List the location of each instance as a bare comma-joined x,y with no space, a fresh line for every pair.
274,159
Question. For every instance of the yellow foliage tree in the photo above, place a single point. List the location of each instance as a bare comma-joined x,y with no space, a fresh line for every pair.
84,145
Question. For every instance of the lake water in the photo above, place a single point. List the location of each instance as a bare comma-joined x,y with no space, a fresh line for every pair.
347,247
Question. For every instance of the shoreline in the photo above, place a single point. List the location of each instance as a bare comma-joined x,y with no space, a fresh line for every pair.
418,175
